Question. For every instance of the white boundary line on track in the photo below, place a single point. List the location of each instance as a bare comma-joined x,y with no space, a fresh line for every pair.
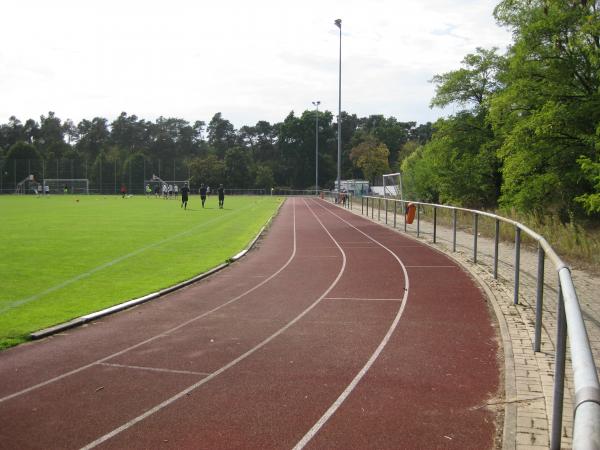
183,393
154,369
162,334
334,407
111,263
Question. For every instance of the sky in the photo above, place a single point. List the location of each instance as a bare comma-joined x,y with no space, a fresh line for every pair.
250,61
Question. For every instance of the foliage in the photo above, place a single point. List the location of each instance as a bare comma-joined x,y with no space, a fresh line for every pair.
371,156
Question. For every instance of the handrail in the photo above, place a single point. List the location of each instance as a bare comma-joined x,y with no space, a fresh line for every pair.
586,422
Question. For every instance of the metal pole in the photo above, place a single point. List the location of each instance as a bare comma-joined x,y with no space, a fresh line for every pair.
517,264
395,211
386,206
454,230
362,205
496,241
559,372
475,223
539,299
338,23
378,209
405,211
434,224
418,220
317,103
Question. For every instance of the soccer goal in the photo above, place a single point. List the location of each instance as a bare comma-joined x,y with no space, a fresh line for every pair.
392,186
66,186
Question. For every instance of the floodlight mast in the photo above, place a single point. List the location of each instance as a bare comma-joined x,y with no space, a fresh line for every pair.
317,103
338,23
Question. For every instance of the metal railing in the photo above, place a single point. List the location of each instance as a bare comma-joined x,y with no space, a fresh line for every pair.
586,425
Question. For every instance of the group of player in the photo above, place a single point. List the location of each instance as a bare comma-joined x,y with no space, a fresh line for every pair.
172,191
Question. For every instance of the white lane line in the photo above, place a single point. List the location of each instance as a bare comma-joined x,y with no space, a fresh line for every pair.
154,369
334,407
366,299
162,334
183,393
81,276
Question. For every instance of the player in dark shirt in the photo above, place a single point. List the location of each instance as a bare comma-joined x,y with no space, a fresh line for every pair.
221,192
185,190
203,193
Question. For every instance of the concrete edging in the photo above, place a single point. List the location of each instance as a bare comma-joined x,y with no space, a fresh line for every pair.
78,321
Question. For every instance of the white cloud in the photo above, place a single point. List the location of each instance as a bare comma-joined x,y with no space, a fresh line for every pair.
250,60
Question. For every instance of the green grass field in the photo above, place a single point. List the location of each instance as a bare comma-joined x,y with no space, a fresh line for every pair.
65,256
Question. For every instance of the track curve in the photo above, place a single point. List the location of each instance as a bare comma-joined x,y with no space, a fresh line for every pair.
299,344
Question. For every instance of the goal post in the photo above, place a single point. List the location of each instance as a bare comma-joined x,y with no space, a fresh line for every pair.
392,187
66,186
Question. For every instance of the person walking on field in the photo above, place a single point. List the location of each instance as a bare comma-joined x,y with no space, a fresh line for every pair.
185,190
221,192
203,193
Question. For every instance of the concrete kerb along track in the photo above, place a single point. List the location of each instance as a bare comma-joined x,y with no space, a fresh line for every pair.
78,321
536,368
300,344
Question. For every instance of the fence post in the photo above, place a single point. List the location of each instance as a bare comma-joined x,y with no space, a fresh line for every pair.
362,206
539,300
418,219
496,240
395,211
559,372
404,208
378,209
475,226
385,201
454,230
434,224
517,264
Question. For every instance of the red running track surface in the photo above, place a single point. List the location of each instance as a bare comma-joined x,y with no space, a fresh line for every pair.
334,332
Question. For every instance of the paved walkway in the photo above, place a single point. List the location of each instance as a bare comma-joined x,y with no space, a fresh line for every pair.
529,375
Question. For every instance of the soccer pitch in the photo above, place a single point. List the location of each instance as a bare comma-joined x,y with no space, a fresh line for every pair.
65,256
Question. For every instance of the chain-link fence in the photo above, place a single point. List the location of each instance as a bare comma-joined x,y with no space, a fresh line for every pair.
105,177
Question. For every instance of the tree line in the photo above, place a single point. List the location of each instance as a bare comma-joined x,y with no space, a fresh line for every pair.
526,135
261,156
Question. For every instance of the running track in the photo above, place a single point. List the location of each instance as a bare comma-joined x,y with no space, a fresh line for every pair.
334,333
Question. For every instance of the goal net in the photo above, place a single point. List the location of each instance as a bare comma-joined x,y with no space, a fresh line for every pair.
66,186
392,186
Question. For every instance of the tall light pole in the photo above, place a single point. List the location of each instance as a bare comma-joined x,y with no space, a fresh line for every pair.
317,103
338,23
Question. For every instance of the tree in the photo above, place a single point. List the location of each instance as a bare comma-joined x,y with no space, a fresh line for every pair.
237,168
371,157
209,170
548,113
221,134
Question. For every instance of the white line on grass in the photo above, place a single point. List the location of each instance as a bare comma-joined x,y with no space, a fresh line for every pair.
334,407
183,393
81,276
158,336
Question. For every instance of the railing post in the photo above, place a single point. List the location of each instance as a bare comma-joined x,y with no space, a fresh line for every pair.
517,264
367,206
454,230
362,206
496,240
372,208
539,299
378,209
395,211
559,372
405,211
386,204
418,219
475,224
434,224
